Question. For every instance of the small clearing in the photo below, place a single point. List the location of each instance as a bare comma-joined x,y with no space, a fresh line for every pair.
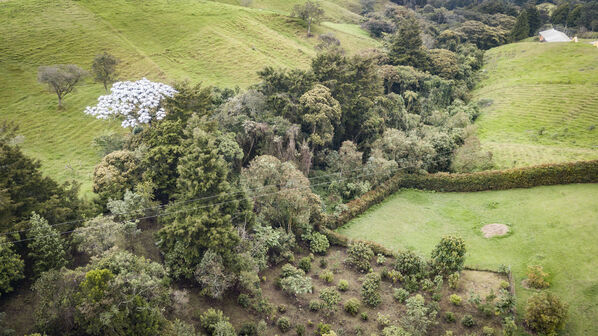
494,229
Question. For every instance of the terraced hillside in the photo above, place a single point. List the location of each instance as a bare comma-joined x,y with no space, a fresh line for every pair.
544,106
166,40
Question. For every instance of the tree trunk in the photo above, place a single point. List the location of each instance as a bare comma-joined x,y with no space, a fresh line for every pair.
106,86
309,27
59,101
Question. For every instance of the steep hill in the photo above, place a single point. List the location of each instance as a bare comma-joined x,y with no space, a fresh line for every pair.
543,105
215,43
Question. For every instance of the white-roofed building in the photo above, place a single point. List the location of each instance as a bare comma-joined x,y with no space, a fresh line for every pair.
553,35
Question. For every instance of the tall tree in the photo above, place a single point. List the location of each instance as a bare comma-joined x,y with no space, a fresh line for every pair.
310,12
11,266
202,216
321,112
104,69
521,29
406,46
533,18
47,248
61,79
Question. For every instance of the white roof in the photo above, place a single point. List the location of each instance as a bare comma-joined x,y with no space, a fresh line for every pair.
553,35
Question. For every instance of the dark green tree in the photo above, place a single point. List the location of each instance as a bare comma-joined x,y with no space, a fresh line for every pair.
46,248
104,69
521,29
560,14
449,255
11,266
202,216
533,18
406,47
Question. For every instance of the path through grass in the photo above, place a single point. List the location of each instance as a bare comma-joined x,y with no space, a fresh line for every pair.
553,226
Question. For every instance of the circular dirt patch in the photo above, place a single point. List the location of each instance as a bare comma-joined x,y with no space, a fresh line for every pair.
495,229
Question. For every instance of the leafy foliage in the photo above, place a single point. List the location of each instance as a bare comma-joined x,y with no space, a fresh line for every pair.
545,313
47,248
370,289
449,255
11,266
418,318
359,256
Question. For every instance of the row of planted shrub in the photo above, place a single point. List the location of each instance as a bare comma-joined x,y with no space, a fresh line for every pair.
548,174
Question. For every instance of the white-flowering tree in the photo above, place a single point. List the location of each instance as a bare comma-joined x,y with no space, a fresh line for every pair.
137,102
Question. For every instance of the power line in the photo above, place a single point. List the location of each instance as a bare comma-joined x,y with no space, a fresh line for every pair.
189,209
158,207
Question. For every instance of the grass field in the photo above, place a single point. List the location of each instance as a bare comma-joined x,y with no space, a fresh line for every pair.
166,40
553,226
544,103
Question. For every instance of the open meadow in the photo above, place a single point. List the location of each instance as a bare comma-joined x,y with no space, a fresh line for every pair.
543,106
201,41
551,226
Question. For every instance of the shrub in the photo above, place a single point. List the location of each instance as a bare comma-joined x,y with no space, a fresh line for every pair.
331,298
224,328
410,264
359,256
243,300
283,324
315,305
326,276
394,331
504,285
11,266
400,294
536,277
370,290
437,296
418,318
449,255
343,285
300,329
282,308
293,281
453,280
545,313
505,302
427,285
488,331
391,275
352,306
383,320
210,318
319,243
449,317
248,329
455,299
305,264
323,329
380,259
468,321
509,327
323,263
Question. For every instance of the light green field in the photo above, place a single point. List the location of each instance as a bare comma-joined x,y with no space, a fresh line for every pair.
166,40
545,103
553,226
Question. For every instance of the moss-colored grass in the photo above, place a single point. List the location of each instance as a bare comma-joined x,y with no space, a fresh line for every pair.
545,107
166,40
553,226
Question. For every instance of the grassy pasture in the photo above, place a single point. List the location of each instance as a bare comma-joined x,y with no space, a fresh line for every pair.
552,226
202,41
544,104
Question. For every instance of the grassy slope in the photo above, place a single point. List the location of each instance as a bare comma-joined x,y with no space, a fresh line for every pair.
551,226
545,105
215,43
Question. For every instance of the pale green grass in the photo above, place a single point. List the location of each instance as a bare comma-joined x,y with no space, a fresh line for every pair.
166,40
553,226
545,106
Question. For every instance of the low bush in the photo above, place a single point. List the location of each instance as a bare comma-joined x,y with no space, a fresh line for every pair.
453,280
319,243
364,316
210,318
323,263
300,329
545,313
391,275
331,297
305,264
536,277
248,329
410,264
400,294
449,255
315,305
323,329
224,328
359,256
488,331
370,290
243,300
455,299
343,285
468,321
326,276
449,317
352,306
383,320
380,259
283,324
282,308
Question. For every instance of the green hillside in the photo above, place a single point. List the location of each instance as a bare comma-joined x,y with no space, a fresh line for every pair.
544,106
166,40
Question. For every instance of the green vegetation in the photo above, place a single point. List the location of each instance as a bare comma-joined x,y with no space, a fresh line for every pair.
542,103
217,44
549,226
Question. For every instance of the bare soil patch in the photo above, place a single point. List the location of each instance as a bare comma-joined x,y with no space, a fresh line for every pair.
494,229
